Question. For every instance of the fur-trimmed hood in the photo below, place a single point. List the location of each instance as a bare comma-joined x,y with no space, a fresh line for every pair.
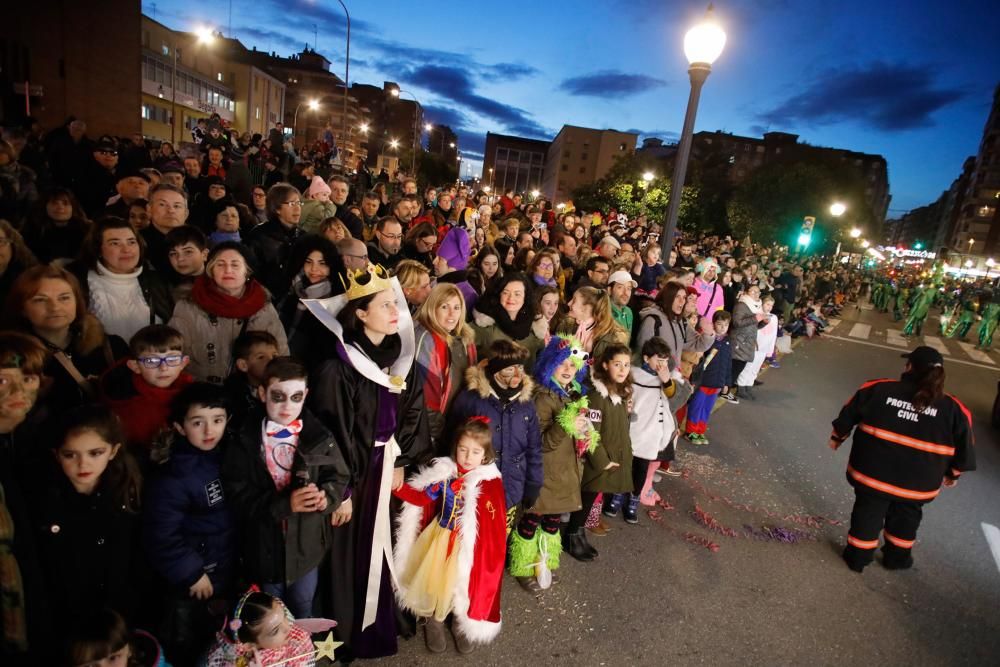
481,319
603,390
477,381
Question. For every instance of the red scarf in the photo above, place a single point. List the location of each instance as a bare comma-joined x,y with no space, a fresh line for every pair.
210,299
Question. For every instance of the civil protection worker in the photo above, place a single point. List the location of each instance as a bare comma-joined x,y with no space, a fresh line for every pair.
911,438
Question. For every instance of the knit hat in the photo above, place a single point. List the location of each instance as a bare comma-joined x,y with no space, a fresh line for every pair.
316,187
455,248
706,264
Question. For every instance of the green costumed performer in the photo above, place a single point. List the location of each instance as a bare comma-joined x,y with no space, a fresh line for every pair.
567,435
963,314
991,314
878,295
919,310
901,296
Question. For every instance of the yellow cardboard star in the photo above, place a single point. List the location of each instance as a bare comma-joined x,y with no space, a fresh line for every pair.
325,648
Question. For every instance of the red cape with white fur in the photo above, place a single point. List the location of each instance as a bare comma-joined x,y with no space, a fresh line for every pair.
481,544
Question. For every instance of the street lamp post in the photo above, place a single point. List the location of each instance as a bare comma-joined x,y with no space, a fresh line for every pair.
347,71
397,92
313,106
702,45
204,36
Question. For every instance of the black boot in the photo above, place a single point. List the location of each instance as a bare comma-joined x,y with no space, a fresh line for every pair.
896,558
575,544
857,559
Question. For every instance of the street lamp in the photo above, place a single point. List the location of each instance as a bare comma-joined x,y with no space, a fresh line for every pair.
347,70
363,128
648,177
837,209
397,92
204,36
855,232
313,105
534,194
702,45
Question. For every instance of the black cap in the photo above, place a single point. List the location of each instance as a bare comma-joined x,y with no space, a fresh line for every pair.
133,172
106,143
924,357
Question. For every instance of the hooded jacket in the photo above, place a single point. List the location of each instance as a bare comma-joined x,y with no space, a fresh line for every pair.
652,427
517,439
563,470
610,416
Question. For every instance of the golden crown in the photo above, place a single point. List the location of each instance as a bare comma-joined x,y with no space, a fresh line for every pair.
365,282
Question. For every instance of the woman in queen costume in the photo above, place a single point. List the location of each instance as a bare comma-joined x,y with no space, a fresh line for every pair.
368,395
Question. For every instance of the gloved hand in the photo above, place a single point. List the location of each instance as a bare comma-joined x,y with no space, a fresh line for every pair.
530,496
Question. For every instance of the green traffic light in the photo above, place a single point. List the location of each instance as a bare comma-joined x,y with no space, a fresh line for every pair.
804,239
918,246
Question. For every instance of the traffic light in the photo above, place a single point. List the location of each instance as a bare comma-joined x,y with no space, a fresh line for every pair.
805,236
918,246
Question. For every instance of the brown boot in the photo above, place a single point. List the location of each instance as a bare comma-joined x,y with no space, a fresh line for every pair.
462,643
434,635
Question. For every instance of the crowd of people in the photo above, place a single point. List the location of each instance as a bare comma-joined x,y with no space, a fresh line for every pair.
234,398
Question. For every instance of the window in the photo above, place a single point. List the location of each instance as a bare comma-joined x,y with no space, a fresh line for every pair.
760,149
985,211
777,151
746,148
218,77
565,167
622,147
732,159
256,113
566,153
583,170
164,49
584,157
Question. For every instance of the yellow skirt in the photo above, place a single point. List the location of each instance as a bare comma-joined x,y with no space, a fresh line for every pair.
430,573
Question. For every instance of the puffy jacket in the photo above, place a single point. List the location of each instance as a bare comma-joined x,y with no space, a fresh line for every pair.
652,425
277,545
743,332
898,452
188,529
517,439
314,212
208,339
563,470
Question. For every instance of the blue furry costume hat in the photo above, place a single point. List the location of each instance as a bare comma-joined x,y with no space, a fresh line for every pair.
553,355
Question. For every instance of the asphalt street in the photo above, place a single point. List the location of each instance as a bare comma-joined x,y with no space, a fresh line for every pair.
653,597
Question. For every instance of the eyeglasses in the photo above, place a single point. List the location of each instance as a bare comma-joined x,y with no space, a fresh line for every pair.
171,360
362,257
293,204
546,265
392,237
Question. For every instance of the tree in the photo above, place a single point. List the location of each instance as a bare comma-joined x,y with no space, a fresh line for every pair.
434,169
624,190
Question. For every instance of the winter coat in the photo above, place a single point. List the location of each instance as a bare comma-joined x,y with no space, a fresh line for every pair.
562,469
609,415
649,276
652,425
142,408
188,529
88,547
277,545
487,331
717,371
208,339
314,212
50,241
271,245
442,366
678,335
124,303
743,332
517,439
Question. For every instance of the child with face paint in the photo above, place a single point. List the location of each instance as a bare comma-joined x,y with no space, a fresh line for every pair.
451,539
262,632
188,530
284,476
567,435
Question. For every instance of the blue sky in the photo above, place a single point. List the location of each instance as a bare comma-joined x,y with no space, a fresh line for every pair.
912,80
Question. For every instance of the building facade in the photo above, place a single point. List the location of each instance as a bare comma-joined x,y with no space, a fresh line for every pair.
63,56
977,228
394,123
184,79
514,163
581,155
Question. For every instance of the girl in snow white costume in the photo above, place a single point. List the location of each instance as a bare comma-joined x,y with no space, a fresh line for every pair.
451,540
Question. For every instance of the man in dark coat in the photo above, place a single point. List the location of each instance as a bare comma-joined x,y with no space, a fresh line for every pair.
96,183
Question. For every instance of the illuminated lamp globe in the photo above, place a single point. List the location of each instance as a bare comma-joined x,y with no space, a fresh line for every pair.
837,209
204,34
855,233
865,244
968,263
314,104
990,262
648,176
704,42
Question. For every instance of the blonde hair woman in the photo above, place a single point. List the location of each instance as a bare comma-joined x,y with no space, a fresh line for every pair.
591,321
445,348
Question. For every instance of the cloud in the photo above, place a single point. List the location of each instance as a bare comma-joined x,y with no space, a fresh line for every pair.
454,84
610,82
883,96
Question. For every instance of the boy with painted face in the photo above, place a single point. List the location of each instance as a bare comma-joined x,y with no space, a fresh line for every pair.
284,477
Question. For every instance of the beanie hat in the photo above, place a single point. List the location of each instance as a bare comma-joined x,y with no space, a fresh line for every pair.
455,248
316,187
